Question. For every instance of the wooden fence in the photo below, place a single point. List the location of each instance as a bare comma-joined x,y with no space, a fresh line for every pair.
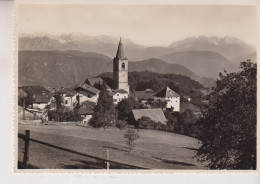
27,139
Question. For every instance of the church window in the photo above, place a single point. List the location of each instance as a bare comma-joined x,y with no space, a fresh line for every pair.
123,65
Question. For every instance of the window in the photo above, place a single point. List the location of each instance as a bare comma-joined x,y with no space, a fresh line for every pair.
66,101
117,94
89,96
123,65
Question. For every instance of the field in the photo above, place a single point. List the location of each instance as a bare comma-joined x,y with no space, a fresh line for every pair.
154,149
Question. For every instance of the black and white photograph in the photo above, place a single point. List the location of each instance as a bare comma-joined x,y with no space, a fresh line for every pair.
135,87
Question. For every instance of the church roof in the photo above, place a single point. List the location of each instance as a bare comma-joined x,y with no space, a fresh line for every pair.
120,51
166,93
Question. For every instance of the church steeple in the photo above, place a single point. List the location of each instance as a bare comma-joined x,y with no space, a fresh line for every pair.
120,69
120,51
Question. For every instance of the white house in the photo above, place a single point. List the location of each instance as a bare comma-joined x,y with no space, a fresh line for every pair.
86,92
118,95
69,97
171,97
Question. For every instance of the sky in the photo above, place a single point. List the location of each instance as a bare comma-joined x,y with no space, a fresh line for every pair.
144,24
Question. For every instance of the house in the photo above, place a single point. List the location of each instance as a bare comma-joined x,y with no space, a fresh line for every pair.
69,97
118,95
156,115
86,93
33,97
145,96
85,111
171,97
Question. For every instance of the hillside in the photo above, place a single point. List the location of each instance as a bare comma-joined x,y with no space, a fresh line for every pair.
244,57
203,63
159,66
228,46
69,68
56,69
149,52
153,150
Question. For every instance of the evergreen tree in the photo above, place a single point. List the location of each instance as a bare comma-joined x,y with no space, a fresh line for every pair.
105,114
124,108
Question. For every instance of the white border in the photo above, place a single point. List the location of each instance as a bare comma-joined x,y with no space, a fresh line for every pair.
155,2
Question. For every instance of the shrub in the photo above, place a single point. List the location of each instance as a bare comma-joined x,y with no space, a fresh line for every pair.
130,137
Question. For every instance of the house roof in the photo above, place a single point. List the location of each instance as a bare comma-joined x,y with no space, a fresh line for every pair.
84,111
95,80
20,108
144,94
188,106
155,114
86,108
37,94
120,51
167,92
67,91
87,87
122,91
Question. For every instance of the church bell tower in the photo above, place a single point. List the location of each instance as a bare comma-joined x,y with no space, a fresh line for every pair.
120,69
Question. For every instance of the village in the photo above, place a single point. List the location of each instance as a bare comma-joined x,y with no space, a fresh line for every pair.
34,100
108,111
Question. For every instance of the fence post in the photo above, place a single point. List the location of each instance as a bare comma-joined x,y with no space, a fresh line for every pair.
26,147
24,109
107,159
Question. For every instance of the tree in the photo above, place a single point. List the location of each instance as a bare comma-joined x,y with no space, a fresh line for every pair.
105,114
124,108
145,123
157,104
58,100
228,125
130,137
121,124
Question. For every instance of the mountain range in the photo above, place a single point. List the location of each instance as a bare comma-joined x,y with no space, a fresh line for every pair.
230,47
70,68
70,58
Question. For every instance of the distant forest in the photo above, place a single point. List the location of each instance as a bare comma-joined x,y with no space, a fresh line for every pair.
181,84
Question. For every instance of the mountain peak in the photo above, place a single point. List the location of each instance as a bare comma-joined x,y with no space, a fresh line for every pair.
228,46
